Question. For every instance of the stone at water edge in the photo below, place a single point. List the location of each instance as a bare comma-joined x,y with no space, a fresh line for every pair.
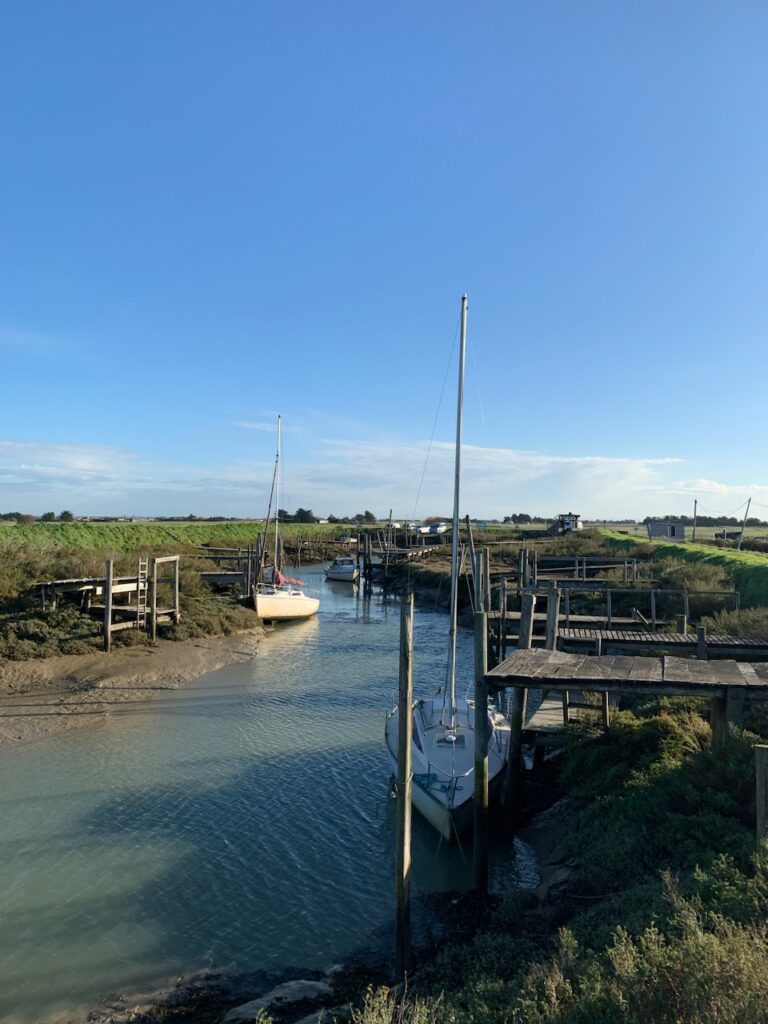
281,995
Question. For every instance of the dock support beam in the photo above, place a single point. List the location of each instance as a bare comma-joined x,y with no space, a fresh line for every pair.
108,605
761,794
517,714
404,786
480,848
553,618
701,643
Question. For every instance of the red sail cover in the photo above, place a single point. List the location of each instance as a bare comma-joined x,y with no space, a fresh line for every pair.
278,579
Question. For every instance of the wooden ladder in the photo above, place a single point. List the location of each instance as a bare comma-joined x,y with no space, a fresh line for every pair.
142,594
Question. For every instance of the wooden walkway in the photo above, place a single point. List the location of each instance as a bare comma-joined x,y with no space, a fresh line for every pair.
665,676
717,644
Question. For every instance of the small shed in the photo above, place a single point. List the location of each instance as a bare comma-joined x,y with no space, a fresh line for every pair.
666,531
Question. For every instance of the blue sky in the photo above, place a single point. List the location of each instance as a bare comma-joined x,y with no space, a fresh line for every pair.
214,212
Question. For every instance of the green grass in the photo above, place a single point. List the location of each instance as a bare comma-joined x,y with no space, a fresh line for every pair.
139,536
748,569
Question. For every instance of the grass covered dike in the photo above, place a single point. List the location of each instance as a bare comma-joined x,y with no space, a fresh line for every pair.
749,569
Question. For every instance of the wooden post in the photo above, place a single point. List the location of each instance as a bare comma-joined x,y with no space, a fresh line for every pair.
153,604
480,848
682,624
718,720
761,793
108,606
653,610
608,607
701,643
404,786
527,610
568,608
176,605
686,606
517,713
566,705
503,621
553,618
487,578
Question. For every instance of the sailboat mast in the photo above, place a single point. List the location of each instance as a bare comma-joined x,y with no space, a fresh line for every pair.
277,495
455,525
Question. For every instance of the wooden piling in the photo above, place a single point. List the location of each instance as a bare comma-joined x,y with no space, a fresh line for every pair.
517,714
480,840
108,605
404,786
553,618
761,794
718,721
153,604
701,643
682,624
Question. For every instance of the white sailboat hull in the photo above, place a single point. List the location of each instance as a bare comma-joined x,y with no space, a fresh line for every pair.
444,772
275,604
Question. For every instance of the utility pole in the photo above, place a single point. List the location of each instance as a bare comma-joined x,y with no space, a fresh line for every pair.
695,506
744,523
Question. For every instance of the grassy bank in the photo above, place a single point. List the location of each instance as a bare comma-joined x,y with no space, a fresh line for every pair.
748,569
661,915
129,537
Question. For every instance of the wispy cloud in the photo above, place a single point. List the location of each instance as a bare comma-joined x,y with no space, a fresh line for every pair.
345,476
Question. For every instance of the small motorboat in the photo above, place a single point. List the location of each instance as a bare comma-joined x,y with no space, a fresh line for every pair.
344,568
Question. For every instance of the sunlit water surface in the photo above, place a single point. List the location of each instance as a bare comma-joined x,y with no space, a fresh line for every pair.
242,822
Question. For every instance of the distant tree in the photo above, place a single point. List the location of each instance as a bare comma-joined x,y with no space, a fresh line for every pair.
65,516
283,516
333,519
304,515
48,517
25,519
368,517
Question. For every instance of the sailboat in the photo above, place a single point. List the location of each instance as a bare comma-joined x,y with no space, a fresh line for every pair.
443,751
281,597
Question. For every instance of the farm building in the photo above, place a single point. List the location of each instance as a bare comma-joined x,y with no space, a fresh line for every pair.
567,523
666,531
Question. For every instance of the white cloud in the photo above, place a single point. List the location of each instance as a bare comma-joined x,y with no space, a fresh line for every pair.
346,476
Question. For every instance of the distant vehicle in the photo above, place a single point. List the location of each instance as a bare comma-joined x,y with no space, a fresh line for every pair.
413,527
438,528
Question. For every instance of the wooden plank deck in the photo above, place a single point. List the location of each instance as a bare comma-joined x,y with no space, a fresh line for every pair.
718,644
670,676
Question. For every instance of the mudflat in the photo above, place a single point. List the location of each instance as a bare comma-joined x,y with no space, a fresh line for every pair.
46,696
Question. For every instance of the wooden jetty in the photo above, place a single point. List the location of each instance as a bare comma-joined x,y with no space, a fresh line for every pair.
728,684
129,602
616,641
